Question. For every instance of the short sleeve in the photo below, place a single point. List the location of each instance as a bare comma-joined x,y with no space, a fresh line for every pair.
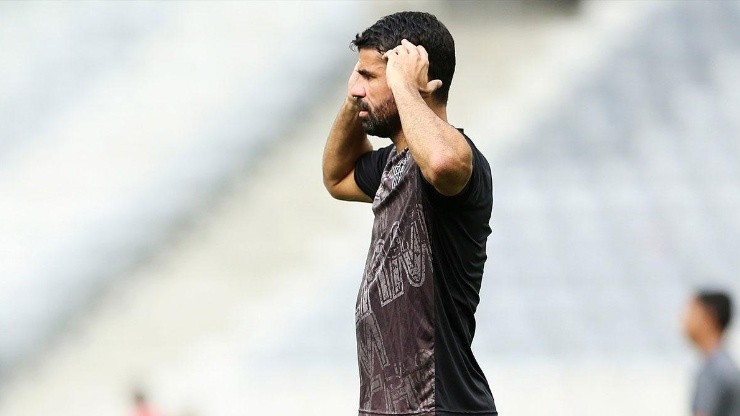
478,190
369,169
708,396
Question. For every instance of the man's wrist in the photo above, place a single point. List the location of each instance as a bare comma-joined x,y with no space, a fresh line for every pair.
404,89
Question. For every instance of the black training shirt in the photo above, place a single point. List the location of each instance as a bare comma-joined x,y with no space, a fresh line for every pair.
420,289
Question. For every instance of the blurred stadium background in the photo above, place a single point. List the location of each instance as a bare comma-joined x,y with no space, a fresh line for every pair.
163,225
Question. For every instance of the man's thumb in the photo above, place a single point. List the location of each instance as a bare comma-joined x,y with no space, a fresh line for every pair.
433,85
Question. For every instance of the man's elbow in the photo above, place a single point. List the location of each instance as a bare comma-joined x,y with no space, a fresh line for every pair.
335,193
449,175
336,190
332,187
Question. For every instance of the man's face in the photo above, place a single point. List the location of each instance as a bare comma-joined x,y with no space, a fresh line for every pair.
368,85
696,320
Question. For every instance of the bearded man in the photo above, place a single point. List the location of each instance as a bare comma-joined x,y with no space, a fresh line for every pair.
431,195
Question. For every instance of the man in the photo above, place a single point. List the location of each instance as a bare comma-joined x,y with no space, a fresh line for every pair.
717,391
431,195
142,406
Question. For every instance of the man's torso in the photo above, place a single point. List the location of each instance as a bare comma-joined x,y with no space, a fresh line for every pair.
412,343
718,387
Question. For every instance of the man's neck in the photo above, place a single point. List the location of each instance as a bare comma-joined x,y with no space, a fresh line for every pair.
710,344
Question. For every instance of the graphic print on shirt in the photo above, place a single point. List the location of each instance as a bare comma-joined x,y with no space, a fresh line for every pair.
395,306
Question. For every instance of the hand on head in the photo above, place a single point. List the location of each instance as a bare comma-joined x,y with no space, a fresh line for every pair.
408,65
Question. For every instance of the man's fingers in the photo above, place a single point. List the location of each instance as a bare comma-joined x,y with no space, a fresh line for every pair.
423,52
418,55
352,76
409,47
354,70
433,85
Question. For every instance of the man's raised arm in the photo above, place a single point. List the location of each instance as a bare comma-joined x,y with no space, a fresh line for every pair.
441,151
347,141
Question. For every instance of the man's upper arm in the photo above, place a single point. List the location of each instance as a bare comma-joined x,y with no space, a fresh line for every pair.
448,174
362,182
369,170
347,190
479,187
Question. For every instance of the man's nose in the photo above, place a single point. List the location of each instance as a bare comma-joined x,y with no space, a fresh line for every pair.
357,90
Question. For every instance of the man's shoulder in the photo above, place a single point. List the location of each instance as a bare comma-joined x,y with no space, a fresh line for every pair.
722,367
477,153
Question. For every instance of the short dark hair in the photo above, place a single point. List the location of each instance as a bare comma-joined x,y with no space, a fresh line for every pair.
419,28
719,305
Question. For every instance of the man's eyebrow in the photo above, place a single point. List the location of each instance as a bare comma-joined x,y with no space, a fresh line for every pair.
365,73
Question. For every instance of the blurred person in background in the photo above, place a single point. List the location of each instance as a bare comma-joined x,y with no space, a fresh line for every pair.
142,406
717,390
432,195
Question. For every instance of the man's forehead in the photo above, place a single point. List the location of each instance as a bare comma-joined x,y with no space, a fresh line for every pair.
370,58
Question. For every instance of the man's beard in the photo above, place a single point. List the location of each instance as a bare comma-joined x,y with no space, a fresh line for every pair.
383,122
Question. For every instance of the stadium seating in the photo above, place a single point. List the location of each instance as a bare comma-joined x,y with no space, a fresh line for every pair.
232,277
121,123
